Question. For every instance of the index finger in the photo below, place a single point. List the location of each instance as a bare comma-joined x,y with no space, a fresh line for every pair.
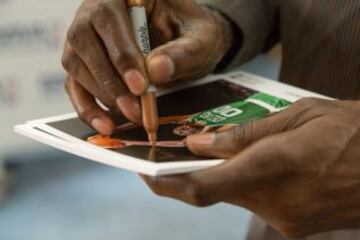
112,22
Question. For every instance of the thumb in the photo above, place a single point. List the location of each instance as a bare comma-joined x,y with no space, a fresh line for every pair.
181,59
225,144
232,181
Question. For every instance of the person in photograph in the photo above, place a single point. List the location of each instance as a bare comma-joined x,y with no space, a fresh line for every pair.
298,170
180,127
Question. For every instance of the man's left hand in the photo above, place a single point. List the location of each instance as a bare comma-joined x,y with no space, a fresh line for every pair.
299,169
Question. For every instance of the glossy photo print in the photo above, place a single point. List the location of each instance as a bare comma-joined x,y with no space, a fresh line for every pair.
208,107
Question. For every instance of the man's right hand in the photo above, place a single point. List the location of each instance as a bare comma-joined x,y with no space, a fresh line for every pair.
104,62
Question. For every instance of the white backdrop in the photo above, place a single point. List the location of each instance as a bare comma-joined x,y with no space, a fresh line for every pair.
31,77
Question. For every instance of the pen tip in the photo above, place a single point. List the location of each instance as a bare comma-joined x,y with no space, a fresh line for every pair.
153,139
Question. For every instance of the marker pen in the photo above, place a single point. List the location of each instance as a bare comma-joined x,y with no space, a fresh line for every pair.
148,100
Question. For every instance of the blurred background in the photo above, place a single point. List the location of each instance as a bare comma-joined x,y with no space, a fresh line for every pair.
47,194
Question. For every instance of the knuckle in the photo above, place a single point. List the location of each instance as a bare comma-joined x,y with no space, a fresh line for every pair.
300,110
305,109
67,83
100,15
110,88
102,9
77,33
309,102
123,59
68,61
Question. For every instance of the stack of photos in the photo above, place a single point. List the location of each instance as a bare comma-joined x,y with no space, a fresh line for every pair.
211,104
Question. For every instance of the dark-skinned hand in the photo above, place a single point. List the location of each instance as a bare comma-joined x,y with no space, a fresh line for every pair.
104,62
299,170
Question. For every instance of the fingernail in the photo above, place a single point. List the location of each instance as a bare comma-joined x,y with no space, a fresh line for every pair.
203,140
130,107
161,68
135,81
103,126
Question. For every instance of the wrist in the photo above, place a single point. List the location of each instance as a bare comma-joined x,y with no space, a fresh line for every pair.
232,38
225,27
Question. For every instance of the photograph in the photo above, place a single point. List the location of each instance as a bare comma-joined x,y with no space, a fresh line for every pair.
219,105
